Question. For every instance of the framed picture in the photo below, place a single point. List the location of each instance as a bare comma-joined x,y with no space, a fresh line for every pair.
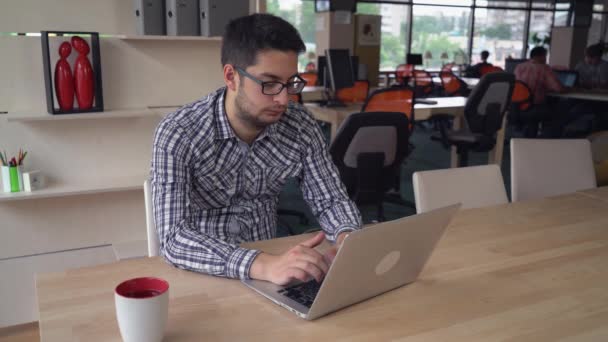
72,72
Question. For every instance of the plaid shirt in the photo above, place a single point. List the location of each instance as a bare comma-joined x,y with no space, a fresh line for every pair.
212,191
539,77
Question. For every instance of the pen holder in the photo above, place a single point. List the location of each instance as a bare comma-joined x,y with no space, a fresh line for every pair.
16,178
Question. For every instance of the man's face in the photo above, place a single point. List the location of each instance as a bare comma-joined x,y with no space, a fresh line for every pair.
256,108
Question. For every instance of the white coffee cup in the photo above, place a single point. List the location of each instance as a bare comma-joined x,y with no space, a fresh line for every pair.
142,306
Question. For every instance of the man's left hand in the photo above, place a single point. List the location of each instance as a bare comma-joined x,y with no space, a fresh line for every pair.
331,252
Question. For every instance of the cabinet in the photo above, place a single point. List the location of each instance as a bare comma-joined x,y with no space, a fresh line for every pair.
95,163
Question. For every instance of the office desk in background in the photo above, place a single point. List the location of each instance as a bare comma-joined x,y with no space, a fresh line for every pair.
445,105
583,95
526,271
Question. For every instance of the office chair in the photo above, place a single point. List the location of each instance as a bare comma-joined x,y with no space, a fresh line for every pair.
368,151
452,85
403,73
484,112
473,187
487,69
310,78
152,234
522,115
423,83
394,99
550,167
357,93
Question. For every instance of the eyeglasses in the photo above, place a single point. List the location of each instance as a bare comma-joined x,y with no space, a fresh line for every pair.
294,86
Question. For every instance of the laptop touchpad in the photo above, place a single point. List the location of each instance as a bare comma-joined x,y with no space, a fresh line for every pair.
388,262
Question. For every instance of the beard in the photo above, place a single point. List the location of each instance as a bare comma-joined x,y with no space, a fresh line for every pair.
243,112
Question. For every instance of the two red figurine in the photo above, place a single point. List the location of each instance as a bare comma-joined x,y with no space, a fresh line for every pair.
81,82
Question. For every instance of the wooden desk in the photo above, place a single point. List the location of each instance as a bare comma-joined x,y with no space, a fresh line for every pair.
527,271
445,105
583,95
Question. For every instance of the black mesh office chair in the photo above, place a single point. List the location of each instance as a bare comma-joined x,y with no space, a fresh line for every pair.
368,151
484,112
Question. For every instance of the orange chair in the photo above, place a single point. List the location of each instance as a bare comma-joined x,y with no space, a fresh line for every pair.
403,73
452,85
395,99
486,69
522,96
356,93
295,98
423,82
310,78
522,114
448,67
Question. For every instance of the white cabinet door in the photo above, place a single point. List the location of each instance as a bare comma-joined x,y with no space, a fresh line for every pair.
17,279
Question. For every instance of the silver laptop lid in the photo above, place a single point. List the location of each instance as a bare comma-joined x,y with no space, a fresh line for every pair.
380,258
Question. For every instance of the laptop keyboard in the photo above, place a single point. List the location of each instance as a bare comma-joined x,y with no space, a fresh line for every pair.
304,293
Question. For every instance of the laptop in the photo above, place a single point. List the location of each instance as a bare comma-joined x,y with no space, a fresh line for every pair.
567,77
371,261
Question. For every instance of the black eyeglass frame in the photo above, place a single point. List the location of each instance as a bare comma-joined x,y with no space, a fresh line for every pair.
265,84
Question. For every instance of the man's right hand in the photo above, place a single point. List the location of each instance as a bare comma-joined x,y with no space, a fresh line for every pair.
301,262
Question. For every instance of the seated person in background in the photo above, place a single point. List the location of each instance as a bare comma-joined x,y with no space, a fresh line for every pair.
475,70
593,71
219,163
541,79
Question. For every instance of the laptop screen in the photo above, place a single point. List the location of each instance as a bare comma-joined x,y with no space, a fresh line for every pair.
567,78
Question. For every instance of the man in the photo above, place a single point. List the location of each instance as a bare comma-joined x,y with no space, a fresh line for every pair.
593,71
537,75
475,70
219,164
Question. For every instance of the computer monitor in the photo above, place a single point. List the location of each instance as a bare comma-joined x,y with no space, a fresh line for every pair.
340,69
511,63
414,59
566,77
322,65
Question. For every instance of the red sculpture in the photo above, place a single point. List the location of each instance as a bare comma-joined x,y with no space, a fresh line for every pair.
83,74
64,82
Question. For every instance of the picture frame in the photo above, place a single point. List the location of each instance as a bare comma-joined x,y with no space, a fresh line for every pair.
51,40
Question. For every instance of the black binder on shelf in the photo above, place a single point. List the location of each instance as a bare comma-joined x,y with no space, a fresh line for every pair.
216,14
181,17
149,17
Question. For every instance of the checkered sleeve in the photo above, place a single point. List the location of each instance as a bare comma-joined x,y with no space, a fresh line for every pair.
321,185
181,243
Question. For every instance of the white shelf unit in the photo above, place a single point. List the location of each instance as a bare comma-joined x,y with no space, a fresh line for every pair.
29,116
169,38
60,190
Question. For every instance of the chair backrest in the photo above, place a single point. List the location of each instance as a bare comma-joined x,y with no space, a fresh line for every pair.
488,102
394,99
402,72
549,167
356,93
423,82
310,78
368,151
451,84
522,96
474,186
295,97
486,69
152,234
448,67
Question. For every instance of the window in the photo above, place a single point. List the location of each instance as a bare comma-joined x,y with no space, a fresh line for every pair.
500,32
595,31
540,29
438,33
301,14
394,32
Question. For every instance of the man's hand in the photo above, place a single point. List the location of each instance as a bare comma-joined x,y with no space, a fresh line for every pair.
301,262
331,253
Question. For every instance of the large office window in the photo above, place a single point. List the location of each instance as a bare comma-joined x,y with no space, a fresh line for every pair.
300,14
440,32
394,32
500,32
540,29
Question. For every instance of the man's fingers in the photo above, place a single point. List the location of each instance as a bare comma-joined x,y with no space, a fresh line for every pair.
311,269
314,241
314,257
330,255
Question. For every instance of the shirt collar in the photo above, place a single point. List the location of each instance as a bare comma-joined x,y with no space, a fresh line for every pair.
222,125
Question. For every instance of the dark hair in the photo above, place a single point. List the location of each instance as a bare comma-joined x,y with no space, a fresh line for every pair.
538,51
246,36
594,50
485,54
